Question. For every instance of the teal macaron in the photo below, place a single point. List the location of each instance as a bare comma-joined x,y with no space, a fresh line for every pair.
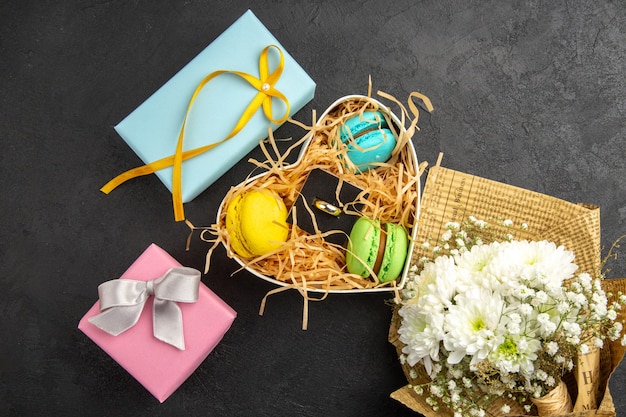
369,139
379,248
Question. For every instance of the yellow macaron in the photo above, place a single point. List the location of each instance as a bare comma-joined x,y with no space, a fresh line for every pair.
256,222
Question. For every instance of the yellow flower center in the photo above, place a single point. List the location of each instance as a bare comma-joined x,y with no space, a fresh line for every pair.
508,348
478,324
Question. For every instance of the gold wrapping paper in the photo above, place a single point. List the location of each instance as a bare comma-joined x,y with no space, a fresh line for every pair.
453,196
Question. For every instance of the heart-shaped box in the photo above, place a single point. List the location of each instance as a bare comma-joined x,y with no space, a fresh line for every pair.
400,178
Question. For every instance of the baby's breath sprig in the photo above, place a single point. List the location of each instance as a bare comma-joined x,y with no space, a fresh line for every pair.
461,237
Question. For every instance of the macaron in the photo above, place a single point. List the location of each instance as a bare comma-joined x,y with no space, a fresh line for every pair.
375,247
256,222
369,139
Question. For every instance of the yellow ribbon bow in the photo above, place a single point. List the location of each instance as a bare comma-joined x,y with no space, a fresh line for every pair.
266,92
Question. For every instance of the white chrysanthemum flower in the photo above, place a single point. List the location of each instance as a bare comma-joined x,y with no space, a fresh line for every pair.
438,284
421,332
477,258
554,262
516,355
471,325
475,268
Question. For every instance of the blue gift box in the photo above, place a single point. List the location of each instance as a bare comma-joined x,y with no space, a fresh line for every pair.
152,129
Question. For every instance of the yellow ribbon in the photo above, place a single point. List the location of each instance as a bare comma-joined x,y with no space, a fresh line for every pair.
266,91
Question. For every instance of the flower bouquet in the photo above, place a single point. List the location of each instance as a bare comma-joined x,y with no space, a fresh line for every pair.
508,315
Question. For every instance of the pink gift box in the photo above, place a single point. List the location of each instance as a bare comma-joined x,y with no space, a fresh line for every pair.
158,366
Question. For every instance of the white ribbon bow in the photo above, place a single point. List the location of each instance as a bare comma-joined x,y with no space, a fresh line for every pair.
122,301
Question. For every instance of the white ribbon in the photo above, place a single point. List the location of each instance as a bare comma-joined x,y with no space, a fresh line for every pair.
122,301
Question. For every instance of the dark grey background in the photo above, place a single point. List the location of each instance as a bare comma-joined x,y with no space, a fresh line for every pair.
526,92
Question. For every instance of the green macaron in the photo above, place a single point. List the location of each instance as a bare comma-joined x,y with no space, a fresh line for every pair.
378,248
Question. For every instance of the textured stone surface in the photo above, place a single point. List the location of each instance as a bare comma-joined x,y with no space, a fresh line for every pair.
531,93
